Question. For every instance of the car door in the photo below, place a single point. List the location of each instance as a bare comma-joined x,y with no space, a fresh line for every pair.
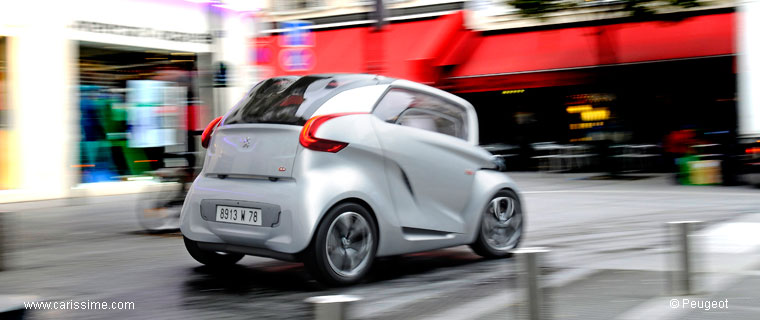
429,164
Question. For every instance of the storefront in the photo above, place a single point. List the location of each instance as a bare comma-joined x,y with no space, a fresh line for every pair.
637,80
622,81
418,49
640,104
98,91
135,105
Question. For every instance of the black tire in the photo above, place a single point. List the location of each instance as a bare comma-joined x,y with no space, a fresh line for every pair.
486,249
211,258
316,256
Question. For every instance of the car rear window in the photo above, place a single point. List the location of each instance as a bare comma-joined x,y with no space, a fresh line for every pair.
288,100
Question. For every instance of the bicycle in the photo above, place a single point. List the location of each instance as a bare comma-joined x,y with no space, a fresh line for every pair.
159,211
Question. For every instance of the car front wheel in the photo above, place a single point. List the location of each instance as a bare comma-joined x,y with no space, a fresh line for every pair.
501,226
344,245
211,258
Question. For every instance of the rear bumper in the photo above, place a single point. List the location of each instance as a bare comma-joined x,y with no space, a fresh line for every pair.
259,252
278,237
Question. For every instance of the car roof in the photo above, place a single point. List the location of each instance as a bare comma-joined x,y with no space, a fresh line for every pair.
345,81
368,79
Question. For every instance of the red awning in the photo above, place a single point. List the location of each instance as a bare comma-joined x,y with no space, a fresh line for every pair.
562,56
414,50
417,50
333,51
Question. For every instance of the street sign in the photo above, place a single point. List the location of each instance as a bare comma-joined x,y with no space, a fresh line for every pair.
297,42
262,55
296,34
297,59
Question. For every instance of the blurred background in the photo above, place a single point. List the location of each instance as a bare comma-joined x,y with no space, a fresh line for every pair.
95,92
602,109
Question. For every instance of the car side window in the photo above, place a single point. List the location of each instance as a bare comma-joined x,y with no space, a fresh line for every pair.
422,111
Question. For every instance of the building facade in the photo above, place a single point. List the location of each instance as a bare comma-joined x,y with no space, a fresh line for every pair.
93,93
585,74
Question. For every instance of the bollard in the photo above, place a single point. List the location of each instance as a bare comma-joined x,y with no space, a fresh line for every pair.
681,278
534,304
332,307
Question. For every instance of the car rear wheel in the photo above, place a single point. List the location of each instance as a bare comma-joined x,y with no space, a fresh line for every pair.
344,245
211,258
501,226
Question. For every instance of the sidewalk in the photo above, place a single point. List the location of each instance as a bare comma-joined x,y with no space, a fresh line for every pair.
84,190
728,275
628,294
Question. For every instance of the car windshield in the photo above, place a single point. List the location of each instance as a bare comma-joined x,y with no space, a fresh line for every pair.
287,100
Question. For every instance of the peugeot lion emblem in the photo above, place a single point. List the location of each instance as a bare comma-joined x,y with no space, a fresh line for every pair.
246,142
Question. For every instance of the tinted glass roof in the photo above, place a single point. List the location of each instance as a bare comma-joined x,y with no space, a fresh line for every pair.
293,99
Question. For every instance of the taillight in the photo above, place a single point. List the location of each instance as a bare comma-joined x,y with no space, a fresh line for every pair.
310,141
206,136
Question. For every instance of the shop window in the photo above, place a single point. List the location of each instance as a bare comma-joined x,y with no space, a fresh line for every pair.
136,108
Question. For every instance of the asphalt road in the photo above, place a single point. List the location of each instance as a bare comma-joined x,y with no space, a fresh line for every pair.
92,249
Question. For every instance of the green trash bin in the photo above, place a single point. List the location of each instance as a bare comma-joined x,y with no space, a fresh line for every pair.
693,170
684,169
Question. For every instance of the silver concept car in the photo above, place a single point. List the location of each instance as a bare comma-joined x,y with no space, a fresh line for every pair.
337,169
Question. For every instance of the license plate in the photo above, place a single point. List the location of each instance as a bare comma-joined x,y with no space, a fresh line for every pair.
249,216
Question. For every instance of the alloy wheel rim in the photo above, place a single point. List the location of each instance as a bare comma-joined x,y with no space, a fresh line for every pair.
349,243
502,223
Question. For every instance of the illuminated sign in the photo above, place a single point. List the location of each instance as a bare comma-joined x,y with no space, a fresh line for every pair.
297,59
579,109
595,114
297,34
261,55
585,125
296,42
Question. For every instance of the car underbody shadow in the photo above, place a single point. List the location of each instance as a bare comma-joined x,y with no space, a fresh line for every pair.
279,276
172,233
277,289
270,290
394,267
275,276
